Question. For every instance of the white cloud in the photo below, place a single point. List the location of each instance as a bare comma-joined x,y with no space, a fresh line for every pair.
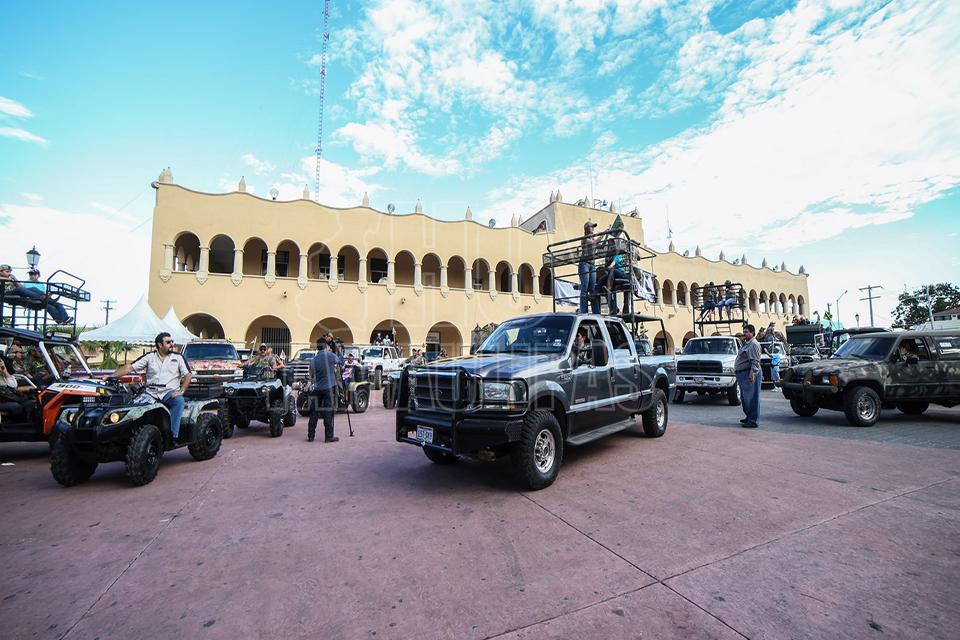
13,108
260,167
340,186
21,134
119,273
32,197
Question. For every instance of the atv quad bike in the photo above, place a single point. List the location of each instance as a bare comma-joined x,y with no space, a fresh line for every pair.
355,394
260,396
129,427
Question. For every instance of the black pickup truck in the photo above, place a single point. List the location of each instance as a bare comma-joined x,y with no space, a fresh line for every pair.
529,391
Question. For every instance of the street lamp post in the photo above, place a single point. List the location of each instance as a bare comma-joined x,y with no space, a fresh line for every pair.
857,318
33,257
838,307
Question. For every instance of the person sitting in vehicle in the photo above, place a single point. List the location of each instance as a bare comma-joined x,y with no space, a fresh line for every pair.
613,271
13,399
167,377
908,349
416,358
265,360
581,348
709,302
28,361
729,300
36,294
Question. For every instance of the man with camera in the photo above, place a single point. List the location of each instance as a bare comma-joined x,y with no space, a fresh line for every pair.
323,385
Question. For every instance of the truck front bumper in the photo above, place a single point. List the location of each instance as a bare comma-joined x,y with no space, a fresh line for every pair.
459,434
705,382
812,394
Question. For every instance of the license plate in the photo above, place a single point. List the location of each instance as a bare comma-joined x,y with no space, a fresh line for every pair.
698,380
425,434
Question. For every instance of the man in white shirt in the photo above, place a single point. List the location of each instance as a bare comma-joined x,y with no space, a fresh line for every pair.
167,375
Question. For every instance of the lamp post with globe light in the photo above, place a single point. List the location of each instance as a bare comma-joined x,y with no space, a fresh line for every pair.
33,257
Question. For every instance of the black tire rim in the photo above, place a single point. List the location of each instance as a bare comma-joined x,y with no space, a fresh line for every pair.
209,437
152,456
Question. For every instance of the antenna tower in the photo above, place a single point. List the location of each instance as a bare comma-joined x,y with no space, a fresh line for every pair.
323,91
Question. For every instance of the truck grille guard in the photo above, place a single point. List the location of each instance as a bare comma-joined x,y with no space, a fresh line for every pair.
443,391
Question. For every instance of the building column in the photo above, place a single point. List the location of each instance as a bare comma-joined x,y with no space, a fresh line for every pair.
237,276
536,287
203,269
391,285
362,275
417,278
167,267
302,271
444,288
271,276
492,283
333,278
468,281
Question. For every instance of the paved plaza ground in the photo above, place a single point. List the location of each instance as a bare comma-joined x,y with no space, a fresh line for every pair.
806,528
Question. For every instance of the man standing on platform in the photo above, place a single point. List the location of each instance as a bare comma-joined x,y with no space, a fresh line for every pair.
747,369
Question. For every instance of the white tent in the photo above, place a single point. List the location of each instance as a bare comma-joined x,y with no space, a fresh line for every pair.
139,326
179,333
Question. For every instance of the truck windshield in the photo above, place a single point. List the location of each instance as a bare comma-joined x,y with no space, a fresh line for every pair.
722,346
865,348
305,355
373,353
547,334
67,360
210,352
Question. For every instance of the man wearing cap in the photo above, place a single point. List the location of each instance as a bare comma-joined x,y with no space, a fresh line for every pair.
35,292
588,271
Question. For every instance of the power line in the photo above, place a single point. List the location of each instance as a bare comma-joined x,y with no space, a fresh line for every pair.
323,91
107,305
869,289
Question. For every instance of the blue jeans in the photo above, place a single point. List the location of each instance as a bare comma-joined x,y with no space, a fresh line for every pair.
322,402
750,395
55,309
175,404
775,372
588,280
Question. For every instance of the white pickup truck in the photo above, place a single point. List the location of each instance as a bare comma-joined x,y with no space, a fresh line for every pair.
381,360
706,366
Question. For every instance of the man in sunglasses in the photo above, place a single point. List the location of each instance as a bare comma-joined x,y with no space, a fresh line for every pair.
167,374
265,359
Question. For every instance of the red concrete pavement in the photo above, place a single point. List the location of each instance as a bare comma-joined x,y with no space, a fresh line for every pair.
704,533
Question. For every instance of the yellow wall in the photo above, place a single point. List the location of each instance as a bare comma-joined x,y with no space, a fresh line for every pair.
237,300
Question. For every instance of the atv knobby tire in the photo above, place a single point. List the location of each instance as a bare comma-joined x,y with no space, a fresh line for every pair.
303,403
537,456
655,418
143,455
389,399
276,418
361,400
240,419
67,468
290,417
209,434
226,422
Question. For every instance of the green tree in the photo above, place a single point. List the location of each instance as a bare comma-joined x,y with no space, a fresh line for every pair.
912,305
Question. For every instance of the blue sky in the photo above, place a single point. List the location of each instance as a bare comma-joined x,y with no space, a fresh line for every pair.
823,133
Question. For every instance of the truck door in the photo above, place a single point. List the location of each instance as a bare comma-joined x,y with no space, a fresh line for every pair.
590,399
627,377
912,381
948,367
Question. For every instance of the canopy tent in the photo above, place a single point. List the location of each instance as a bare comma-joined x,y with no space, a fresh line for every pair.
179,333
139,326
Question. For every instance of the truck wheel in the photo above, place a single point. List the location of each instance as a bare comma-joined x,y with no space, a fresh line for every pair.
803,409
303,403
913,408
733,395
678,396
389,400
276,418
290,417
439,457
655,418
377,379
143,455
536,457
226,423
208,438
67,468
861,405
361,400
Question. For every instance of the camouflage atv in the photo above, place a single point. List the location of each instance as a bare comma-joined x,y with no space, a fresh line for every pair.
261,396
131,428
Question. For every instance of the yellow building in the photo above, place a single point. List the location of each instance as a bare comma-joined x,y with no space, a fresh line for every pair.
255,270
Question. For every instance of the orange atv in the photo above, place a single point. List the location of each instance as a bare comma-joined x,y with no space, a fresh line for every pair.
58,376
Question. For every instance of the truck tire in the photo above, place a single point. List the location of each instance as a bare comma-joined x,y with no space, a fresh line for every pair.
439,457
226,422
733,395
914,408
276,418
361,400
143,455
303,403
678,396
290,417
208,438
803,409
68,469
537,456
389,399
378,379
861,405
655,418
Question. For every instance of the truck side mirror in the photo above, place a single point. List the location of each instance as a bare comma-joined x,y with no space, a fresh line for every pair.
599,354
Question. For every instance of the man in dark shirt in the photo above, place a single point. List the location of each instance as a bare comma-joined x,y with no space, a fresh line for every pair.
323,375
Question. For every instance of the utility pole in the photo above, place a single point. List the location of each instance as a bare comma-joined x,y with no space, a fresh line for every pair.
869,289
929,307
107,305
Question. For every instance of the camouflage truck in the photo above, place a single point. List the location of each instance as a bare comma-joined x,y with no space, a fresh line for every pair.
908,371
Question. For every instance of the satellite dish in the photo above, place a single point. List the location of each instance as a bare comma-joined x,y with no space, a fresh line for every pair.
492,223
274,193
391,208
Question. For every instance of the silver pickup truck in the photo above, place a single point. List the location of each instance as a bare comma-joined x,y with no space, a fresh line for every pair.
529,392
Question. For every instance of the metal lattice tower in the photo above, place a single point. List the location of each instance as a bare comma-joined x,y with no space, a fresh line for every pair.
323,91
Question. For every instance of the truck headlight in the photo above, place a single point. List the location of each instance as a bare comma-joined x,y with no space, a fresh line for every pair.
504,392
70,416
229,391
728,371
238,373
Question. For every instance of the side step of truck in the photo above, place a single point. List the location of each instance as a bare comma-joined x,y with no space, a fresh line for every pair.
599,432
